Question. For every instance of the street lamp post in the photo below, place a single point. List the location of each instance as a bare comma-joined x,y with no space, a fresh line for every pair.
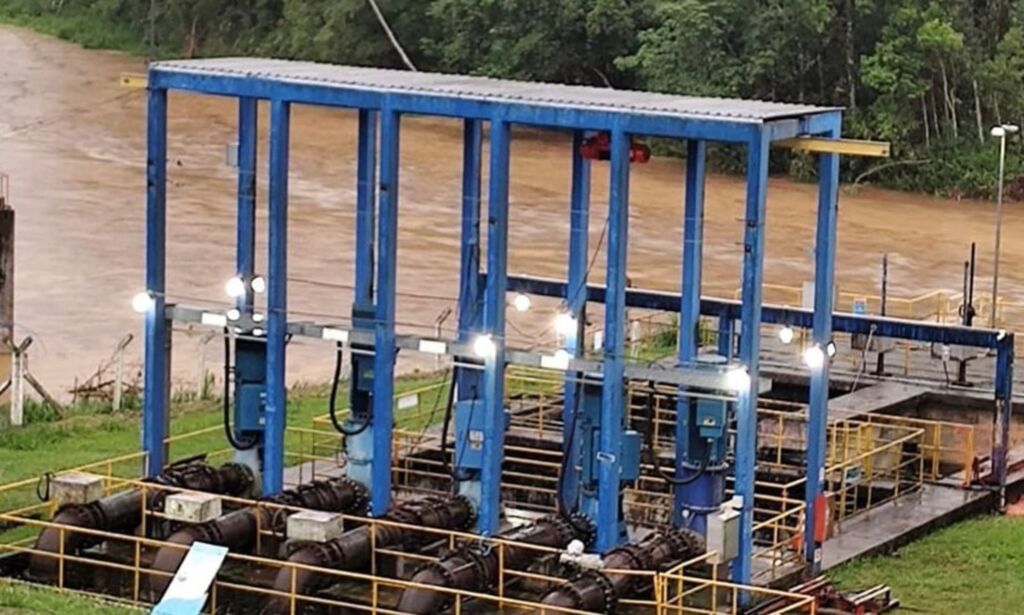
999,132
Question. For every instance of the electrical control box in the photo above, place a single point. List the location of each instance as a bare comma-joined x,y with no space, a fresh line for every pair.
723,537
250,384
712,418
469,434
629,460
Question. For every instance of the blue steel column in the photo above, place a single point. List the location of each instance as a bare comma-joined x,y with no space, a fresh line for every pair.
750,346
609,530
493,400
468,381
1004,410
576,303
359,446
245,258
384,338
689,323
726,327
365,207
824,274
277,298
154,420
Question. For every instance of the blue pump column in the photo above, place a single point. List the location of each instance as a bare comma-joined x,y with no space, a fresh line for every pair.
817,422
157,329
698,442
467,456
277,298
750,346
250,376
359,447
576,304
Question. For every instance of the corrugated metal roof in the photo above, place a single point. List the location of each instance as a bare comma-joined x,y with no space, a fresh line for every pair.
490,90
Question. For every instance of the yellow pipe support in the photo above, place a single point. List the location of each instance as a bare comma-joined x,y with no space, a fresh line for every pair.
844,147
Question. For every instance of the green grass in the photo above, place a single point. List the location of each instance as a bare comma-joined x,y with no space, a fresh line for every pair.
22,599
86,29
972,567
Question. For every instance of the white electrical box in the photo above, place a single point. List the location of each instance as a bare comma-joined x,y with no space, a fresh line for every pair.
723,537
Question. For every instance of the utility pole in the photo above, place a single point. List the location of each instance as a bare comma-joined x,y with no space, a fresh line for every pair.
6,282
999,132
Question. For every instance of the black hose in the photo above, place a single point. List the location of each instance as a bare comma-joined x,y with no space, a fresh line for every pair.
332,410
652,456
229,433
568,434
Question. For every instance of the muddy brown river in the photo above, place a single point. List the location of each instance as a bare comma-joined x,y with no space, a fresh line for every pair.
73,143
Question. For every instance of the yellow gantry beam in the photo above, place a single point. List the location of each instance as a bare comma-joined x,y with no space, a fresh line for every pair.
135,81
844,147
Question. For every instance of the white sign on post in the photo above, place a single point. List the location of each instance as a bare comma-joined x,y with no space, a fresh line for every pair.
190,586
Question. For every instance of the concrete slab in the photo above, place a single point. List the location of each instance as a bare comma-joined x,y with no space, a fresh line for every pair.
874,398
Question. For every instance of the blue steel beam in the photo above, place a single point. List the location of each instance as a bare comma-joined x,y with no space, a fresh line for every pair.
913,330
824,275
384,337
277,298
689,310
576,304
154,420
750,348
655,125
613,395
493,399
245,256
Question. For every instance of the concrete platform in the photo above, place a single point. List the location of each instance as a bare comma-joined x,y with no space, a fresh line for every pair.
874,398
894,524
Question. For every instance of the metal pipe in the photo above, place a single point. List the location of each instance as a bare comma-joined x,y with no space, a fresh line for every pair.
353,550
599,591
476,567
122,512
240,529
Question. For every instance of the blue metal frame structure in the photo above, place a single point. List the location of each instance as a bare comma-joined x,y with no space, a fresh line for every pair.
502,104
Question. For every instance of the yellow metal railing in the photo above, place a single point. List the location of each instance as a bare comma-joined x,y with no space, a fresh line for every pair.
682,594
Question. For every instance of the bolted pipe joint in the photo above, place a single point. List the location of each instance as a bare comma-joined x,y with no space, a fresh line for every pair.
353,550
122,512
476,567
600,590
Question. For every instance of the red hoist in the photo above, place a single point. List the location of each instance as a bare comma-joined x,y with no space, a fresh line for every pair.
599,147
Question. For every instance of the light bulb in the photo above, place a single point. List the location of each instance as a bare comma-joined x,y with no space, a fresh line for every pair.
233,314
786,334
565,324
143,302
814,357
521,302
737,379
258,284
483,347
235,287
830,348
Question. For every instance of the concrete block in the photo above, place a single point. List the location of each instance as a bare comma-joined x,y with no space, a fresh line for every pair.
314,526
76,488
192,507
